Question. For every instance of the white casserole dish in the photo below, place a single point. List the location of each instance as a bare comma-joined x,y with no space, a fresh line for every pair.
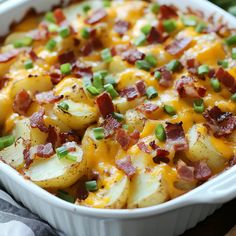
170,218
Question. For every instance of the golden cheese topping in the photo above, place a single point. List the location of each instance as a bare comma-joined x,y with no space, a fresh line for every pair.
118,104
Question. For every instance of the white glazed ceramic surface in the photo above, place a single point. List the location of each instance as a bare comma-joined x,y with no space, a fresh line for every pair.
170,218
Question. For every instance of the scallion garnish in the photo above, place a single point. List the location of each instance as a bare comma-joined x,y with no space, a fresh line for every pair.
170,110
140,40
146,29
233,97
173,65
98,81
143,65
198,106
160,132
151,60
53,28
215,84
64,32
189,20
157,75
231,40
106,55
110,89
51,44
234,53
65,196
155,8
151,92
86,8
223,63
63,106
66,68
6,141
109,79
23,42
61,152
98,133
200,27
91,186
92,90
169,25
118,116
203,69
49,16
28,64
85,33
71,157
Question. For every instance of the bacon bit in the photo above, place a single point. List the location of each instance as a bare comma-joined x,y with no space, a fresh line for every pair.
81,191
55,76
135,136
159,151
37,121
159,159
167,12
7,56
143,147
86,49
45,151
221,123
52,136
130,93
96,17
126,165
153,145
155,36
47,97
185,172
59,15
27,157
41,33
123,138
67,57
70,146
141,87
202,171
227,79
3,82
192,66
22,102
147,108
120,48
178,46
33,55
121,27
186,88
81,70
70,136
96,43
131,55
105,105
166,77
110,125
176,137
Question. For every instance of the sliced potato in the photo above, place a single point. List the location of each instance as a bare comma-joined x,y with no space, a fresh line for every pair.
117,65
113,189
135,120
13,155
5,104
57,173
78,116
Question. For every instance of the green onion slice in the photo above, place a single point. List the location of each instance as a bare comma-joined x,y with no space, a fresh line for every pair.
160,132
110,89
65,196
151,92
61,152
91,186
98,133
198,106
215,83
6,141
169,110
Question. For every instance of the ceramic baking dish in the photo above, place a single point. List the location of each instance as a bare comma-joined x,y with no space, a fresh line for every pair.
170,218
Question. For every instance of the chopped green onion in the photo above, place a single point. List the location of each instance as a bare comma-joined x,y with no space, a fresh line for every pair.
109,79
28,64
98,81
61,152
49,16
203,69
66,68
189,20
160,132
92,90
198,106
223,63
85,33
6,141
143,65
86,8
140,40
200,27
65,196
169,25
63,106
146,29
169,110
98,133
173,65
125,126
215,84
157,75
118,116
110,89
234,53
91,185
231,40
23,42
151,92
86,82
155,8
233,97
106,3
51,44
71,157
64,32
106,55
52,28
151,59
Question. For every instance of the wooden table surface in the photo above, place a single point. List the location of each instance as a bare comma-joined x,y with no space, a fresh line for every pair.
217,224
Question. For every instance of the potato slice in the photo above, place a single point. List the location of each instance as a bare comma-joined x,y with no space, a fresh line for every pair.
78,116
23,129
5,104
114,192
135,120
147,188
13,155
57,173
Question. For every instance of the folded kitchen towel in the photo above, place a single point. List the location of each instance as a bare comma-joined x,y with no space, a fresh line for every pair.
18,221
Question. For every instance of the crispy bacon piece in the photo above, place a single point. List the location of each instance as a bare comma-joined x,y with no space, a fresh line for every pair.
126,165
47,97
70,136
81,70
55,77
141,87
131,55
105,105
70,146
41,33
143,147
221,123
160,152
167,12
159,159
175,136
184,171
37,121
186,88
178,46
45,151
67,57
52,136
122,137
227,79
22,102
59,15
202,171
3,82
166,77
110,125
121,26
27,157
130,93
155,36
86,49
7,56
134,137
96,17
33,55
148,108
192,66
